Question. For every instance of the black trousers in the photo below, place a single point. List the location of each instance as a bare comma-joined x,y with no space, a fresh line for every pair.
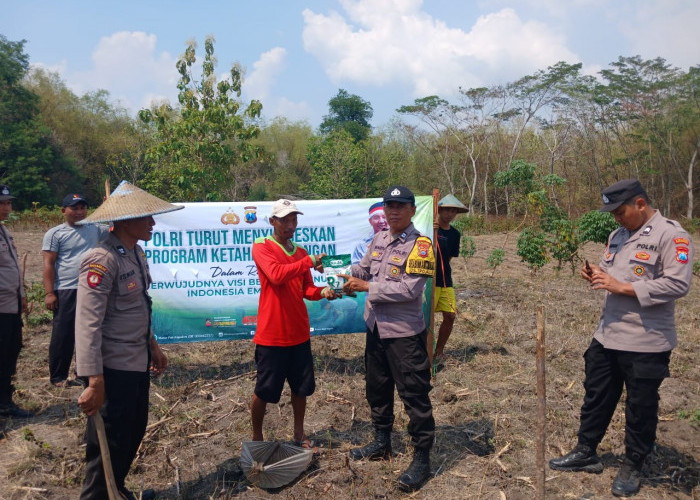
401,363
62,335
607,371
10,345
125,415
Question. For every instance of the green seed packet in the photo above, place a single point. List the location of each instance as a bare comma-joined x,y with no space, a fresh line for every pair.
334,265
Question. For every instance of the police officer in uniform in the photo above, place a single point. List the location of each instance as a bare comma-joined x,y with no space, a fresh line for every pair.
12,301
646,266
393,272
114,343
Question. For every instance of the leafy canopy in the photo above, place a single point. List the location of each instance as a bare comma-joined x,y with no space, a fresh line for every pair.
202,145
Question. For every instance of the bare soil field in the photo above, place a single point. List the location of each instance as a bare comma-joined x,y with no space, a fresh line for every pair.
484,405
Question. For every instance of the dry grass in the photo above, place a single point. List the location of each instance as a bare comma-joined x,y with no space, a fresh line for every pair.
484,404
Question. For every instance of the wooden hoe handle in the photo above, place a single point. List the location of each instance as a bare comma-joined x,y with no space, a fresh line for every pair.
112,490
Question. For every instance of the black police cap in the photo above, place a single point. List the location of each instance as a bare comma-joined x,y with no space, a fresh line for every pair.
619,193
399,193
5,193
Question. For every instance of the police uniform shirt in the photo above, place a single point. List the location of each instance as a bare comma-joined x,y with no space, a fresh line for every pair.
657,260
395,297
112,313
11,288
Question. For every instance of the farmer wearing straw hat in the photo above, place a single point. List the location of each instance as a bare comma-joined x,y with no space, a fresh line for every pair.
448,246
12,301
115,346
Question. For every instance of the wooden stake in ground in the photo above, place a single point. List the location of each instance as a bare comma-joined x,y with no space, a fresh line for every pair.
112,491
541,405
431,327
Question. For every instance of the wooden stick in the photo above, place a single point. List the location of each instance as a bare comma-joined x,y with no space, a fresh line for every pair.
112,490
431,338
541,405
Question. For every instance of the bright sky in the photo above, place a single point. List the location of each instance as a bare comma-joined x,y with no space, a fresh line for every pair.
298,53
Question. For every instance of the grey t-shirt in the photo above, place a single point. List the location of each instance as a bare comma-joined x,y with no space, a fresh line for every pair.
70,243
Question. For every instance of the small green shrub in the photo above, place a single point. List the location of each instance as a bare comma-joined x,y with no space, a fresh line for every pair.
550,217
595,226
532,248
37,315
696,268
563,243
495,258
467,247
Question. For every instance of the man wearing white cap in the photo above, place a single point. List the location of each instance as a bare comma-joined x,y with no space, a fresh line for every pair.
282,335
115,346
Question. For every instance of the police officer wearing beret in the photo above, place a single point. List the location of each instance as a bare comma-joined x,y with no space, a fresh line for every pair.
646,266
114,344
393,272
12,301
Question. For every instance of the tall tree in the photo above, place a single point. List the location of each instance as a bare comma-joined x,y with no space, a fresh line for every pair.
29,161
202,146
348,112
284,168
100,139
337,163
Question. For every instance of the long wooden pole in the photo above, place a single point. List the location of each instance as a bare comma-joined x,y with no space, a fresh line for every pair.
112,490
431,337
541,403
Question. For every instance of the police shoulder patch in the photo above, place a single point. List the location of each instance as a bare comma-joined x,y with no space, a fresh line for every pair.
94,278
682,255
421,260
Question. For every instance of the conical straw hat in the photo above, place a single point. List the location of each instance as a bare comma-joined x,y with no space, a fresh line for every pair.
451,201
129,202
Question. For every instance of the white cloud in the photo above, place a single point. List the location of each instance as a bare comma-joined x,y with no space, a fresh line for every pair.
128,65
390,42
265,70
665,29
260,83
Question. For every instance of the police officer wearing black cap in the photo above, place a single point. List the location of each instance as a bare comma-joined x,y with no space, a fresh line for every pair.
393,273
645,267
12,301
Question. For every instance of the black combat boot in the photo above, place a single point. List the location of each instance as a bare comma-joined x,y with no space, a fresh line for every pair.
627,481
418,472
378,449
583,458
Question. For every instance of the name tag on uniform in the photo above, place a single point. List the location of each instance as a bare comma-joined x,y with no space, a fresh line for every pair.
421,260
